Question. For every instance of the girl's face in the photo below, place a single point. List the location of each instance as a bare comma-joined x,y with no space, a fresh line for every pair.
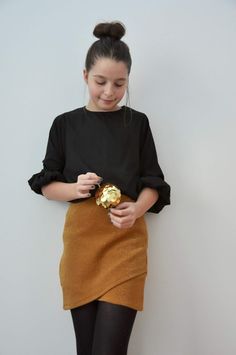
107,82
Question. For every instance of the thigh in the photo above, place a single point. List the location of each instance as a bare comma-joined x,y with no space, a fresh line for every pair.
113,328
84,321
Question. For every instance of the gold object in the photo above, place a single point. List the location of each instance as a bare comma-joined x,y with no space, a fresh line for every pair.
108,195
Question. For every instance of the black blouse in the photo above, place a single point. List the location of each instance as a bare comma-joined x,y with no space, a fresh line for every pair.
116,145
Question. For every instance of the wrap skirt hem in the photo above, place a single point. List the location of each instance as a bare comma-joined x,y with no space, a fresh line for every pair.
111,295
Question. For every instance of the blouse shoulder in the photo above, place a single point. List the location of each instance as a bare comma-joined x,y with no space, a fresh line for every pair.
140,120
139,114
65,117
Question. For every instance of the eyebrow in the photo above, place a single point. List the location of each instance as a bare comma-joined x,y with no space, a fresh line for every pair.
103,77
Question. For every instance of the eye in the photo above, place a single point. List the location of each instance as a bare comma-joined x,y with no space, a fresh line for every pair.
103,83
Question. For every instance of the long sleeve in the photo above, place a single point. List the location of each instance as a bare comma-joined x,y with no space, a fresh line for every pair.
54,160
151,174
117,145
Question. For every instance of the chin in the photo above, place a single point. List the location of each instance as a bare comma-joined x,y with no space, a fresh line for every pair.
107,105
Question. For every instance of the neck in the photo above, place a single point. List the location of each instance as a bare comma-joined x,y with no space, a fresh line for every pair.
91,107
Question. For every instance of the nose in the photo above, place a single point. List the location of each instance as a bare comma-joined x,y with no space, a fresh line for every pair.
108,90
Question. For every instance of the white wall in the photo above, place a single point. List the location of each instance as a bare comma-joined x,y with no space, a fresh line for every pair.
183,77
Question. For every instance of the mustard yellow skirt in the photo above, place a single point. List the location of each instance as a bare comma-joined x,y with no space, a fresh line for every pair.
101,261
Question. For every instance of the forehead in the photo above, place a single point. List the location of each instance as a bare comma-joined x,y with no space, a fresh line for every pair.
109,68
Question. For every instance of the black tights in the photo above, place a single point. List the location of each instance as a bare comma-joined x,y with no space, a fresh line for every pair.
102,328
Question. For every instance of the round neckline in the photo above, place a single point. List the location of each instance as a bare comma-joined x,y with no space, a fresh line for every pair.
103,112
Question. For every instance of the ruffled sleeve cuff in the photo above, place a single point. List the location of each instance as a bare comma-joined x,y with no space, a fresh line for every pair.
163,189
37,181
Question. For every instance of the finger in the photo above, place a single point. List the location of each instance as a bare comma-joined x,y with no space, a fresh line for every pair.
87,182
122,205
83,177
89,176
93,176
122,210
80,177
120,220
121,225
84,195
82,188
118,213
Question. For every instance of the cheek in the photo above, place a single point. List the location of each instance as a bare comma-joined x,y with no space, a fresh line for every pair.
121,92
94,90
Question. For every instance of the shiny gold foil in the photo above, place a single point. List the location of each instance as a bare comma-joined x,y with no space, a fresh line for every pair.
108,195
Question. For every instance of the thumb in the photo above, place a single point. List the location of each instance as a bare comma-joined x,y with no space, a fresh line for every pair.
122,205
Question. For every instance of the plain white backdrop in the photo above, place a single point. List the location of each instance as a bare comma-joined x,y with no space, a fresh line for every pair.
183,77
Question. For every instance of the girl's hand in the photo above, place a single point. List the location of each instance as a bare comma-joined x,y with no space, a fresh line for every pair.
85,183
124,215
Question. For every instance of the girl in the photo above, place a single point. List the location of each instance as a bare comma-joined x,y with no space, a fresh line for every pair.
104,262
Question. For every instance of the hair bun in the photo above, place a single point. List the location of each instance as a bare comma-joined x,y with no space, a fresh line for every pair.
114,30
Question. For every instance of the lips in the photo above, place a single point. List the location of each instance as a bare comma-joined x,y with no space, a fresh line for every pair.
107,101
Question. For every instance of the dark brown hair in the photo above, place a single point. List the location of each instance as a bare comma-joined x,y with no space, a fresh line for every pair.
109,45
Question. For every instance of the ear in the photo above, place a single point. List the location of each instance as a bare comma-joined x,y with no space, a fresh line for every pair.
127,84
85,74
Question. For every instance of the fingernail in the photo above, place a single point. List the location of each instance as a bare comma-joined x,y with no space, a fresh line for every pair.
92,187
89,195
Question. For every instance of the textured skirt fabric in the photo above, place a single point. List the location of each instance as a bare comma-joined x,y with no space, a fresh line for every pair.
101,261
